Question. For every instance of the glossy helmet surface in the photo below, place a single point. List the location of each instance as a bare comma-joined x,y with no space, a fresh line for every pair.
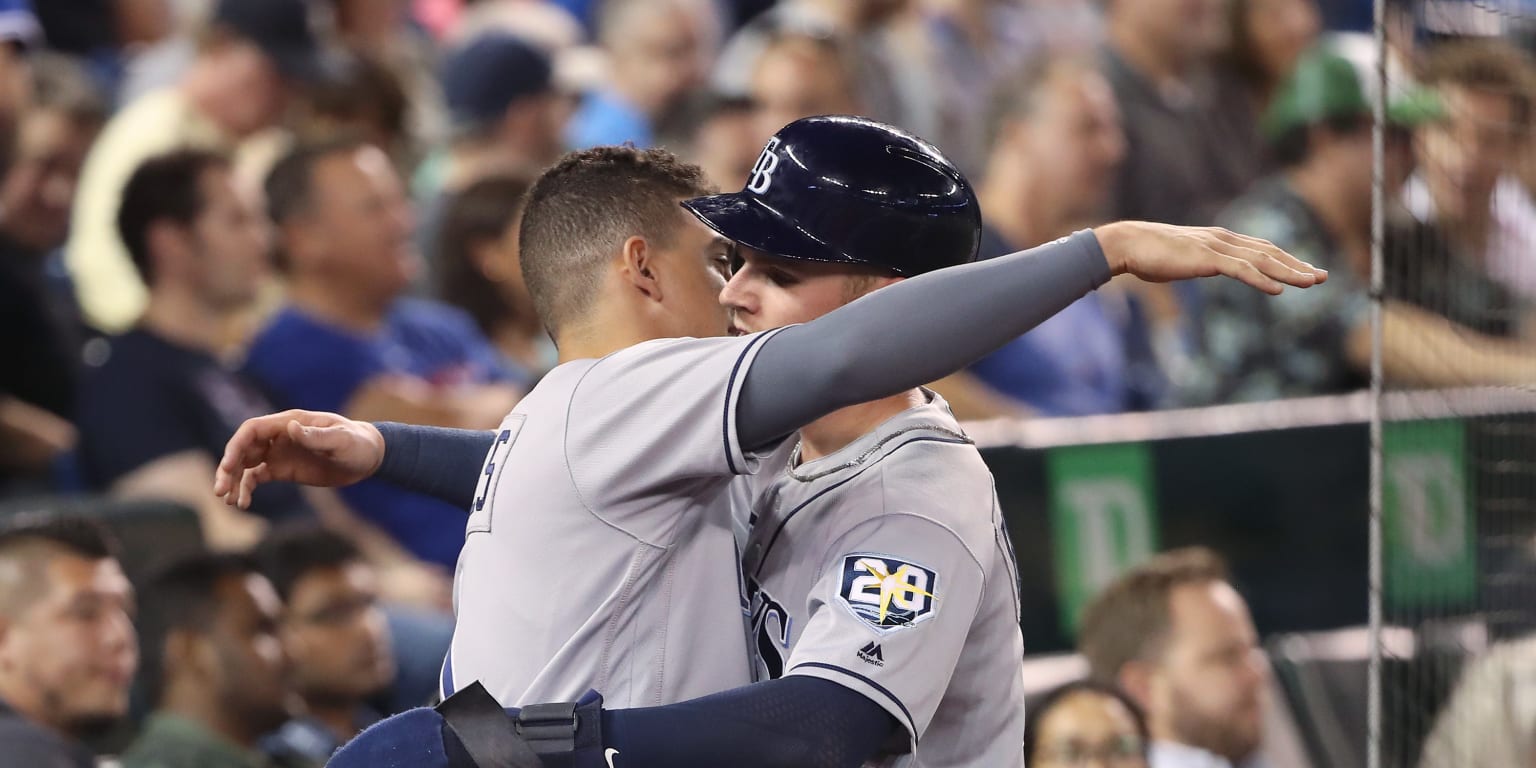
848,189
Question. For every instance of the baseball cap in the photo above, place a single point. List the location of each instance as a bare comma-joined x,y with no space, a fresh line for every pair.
488,74
284,31
18,24
1327,85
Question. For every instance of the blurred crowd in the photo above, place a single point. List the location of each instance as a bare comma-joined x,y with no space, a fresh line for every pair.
213,209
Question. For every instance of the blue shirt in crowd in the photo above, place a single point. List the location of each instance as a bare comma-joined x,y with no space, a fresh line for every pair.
605,119
1077,363
306,363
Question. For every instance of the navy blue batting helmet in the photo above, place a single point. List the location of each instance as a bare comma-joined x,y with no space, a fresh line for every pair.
847,189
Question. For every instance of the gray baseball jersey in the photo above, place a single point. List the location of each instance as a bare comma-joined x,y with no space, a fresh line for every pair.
886,567
600,551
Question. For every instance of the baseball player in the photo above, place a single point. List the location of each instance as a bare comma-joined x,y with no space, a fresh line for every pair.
608,482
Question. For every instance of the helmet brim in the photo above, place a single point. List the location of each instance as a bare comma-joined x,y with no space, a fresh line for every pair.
745,219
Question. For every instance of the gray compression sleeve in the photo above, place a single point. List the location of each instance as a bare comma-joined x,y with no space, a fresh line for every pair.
910,334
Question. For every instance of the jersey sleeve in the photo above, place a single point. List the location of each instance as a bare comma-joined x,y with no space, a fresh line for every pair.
889,615
658,415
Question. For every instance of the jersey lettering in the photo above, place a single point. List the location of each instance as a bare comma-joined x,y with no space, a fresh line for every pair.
771,625
762,172
495,459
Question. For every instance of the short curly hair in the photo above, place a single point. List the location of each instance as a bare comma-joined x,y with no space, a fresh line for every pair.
583,208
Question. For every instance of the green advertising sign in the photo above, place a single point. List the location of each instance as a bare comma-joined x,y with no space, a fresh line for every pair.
1102,518
1428,524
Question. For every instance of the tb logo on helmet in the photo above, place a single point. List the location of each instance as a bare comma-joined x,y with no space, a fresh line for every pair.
762,172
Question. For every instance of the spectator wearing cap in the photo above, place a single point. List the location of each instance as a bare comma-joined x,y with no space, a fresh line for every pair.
67,644
249,56
1319,208
41,347
506,117
505,113
657,51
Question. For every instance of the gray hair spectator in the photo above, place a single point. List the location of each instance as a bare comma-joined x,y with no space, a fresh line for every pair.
1057,142
350,341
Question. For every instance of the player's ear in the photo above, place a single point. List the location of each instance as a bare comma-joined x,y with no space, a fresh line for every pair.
1136,679
638,265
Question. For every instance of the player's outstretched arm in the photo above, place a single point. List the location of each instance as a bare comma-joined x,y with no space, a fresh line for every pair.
925,328
329,450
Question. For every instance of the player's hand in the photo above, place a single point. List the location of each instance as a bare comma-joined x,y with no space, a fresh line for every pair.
307,447
1160,253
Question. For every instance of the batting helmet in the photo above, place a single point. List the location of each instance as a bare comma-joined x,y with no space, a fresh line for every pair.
846,189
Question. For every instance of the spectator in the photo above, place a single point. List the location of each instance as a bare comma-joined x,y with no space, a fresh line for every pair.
505,113
365,99
890,64
215,666
477,254
727,140
801,75
156,414
1318,208
1058,142
42,343
1177,169
1176,636
1464,182
237,86
349,342
67,646
19,34
381,33
1082,722
506,119
334,633
657,53
1486,723
1264,40
978,44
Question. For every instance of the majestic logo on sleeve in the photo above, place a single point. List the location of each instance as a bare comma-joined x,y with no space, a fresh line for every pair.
888,593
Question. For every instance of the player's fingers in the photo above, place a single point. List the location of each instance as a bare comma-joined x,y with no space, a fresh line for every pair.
1274,252
1266,261
1244,270
253,477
